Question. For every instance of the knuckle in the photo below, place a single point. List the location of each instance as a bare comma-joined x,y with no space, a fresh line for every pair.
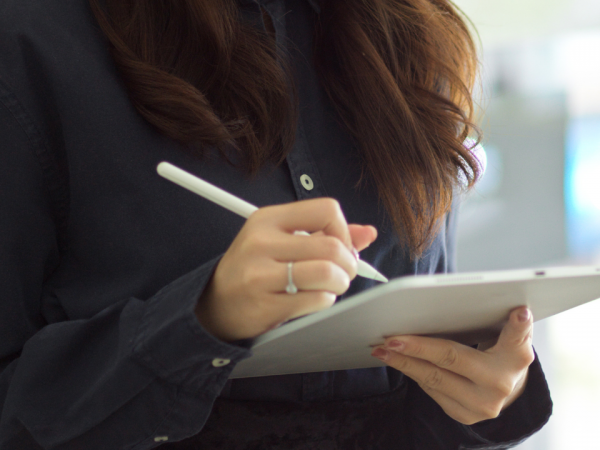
333,248
525,340
523,357
324,300
526,358
326,270
344,285
530,358
332,276
489,410
433,380
252,277
332,206
416,349
449,358
504,388
529,354
402,364
499,385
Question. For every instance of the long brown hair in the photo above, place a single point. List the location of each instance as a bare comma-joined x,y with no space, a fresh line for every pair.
399,72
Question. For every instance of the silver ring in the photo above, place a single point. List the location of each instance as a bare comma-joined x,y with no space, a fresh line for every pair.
291,287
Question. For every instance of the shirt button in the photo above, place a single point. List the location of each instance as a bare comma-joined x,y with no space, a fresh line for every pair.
307,182
220,362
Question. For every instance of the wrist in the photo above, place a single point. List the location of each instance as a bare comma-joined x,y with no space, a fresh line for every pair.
204,314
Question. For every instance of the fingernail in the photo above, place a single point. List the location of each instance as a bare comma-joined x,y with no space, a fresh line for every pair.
355,253
524,315
396,345
380,353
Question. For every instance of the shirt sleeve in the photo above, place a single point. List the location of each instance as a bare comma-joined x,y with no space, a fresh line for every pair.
137,374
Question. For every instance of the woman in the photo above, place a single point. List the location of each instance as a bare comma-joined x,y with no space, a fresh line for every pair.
127,301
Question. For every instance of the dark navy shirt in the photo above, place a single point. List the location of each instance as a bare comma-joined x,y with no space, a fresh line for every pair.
102,261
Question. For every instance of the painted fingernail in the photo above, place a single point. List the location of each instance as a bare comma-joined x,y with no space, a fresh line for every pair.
396,345
380,353
355,253
524,315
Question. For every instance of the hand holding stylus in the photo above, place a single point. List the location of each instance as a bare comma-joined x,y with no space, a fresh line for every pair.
247,293
236,205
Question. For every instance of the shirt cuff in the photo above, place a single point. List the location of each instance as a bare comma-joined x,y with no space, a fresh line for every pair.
171,342
523,418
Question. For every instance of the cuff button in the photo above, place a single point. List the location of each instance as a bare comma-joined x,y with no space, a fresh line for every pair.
220,362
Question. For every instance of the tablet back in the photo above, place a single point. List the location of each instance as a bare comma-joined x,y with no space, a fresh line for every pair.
467,307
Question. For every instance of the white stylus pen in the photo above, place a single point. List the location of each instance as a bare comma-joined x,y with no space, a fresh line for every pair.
234,204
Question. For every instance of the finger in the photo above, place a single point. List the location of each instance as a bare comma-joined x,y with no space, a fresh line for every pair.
518,331
429,376
458,396
362,235
303,303
317,276
296,248
515,340
321,214
445,354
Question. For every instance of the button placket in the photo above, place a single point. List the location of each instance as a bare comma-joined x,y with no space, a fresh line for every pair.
304,171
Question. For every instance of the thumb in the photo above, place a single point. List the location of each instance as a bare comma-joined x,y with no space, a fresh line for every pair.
518,331
362,235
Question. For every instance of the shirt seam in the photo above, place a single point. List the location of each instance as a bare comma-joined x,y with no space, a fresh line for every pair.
53,178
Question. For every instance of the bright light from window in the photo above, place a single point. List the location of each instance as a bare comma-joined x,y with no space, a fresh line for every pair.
585,176
583,186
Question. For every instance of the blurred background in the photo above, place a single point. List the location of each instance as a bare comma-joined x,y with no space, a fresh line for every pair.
539,202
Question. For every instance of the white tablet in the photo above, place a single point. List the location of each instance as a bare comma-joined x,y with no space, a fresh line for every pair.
467,307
